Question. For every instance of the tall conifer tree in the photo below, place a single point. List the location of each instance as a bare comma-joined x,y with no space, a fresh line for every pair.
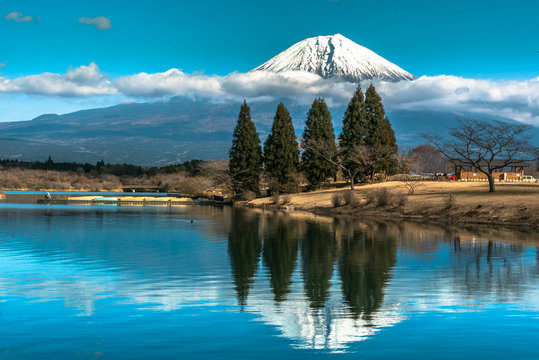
318,135
353,124
374,117
379,133
281,153
353,131
245,154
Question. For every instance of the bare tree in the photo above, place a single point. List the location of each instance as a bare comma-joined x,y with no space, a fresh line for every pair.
412,186
352,160
217,171
427,159
487,146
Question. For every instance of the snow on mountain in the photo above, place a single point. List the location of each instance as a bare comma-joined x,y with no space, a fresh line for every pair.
335,56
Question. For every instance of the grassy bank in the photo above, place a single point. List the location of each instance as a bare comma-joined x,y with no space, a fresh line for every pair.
513,204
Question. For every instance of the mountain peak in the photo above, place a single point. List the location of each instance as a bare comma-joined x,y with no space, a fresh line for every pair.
335,56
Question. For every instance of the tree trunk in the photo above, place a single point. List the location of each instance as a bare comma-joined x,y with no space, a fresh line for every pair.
490,182
351,182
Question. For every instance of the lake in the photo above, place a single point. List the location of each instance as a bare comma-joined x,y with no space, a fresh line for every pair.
208,282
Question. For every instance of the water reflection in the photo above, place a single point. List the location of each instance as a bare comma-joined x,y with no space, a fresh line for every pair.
365,267
318,255
488,268
322,283
280,254
244,251
335,282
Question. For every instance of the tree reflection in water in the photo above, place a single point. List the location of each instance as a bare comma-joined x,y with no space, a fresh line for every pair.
280,252
318,255
484,267
365,265
244,251
335,281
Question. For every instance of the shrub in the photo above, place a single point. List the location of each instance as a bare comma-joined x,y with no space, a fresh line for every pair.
350,198
379,177
402,199
290,187
275,196
337,200
382,197
370,197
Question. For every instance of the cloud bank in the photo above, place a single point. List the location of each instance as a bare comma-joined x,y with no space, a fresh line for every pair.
516,99
100,22
82,81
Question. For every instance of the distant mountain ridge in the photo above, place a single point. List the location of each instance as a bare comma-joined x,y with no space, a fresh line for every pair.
162,133
335,56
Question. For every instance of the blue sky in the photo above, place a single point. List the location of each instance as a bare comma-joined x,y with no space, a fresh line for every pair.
496,40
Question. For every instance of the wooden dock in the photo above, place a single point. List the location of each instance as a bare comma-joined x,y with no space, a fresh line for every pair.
120,202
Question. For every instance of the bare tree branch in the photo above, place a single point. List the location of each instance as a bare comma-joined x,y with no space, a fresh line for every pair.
487,146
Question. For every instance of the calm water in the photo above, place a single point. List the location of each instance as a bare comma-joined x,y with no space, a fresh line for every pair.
209,282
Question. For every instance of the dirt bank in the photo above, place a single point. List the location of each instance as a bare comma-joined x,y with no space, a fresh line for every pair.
513,204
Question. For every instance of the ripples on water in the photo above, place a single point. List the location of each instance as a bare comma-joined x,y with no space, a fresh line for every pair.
210,282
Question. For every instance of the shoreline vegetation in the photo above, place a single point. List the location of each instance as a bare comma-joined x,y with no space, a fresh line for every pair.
513,205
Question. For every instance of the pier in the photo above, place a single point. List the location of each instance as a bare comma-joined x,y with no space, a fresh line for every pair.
121,202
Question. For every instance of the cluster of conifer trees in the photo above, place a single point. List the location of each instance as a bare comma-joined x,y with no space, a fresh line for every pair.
367,145
193,167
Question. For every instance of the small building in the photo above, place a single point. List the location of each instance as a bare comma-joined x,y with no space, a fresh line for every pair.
466,172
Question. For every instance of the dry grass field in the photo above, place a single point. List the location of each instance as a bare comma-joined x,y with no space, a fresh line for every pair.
41,180
454,202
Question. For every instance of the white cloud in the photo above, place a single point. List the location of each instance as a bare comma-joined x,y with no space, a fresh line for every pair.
100,22
18,17
171,82
79,82
516,99
301,86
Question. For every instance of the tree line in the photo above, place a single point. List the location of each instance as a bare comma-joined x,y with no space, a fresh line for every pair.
193,167
366,146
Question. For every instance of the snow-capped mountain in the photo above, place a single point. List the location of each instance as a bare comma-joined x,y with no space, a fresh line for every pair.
335,56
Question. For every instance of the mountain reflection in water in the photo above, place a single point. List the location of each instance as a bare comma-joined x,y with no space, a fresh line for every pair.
322,283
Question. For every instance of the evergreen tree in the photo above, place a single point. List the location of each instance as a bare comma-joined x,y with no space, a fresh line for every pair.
374,117
245,154
281,153
353,124
318,136
353,132
378,132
